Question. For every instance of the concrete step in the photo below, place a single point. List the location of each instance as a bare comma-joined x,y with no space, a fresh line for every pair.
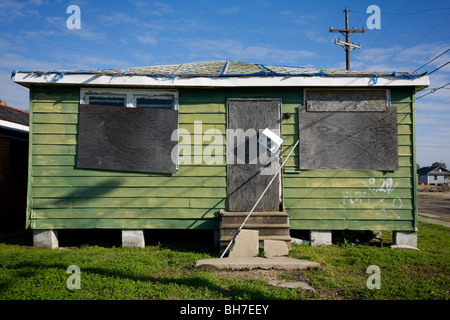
270,225
225,240
255,217
264,229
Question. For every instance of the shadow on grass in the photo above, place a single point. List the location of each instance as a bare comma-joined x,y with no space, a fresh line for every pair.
194,281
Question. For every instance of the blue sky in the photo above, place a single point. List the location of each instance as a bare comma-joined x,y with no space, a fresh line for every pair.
119,34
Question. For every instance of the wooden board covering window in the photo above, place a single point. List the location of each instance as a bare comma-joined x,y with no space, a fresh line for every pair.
348,140
247,181
346,100
126,139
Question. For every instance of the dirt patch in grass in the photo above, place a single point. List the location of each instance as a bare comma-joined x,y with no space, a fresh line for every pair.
434,193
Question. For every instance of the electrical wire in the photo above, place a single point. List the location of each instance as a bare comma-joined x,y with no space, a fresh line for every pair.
431,60
439,67
409,14
433,90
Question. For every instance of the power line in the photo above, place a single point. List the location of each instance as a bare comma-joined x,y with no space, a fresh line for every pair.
409,14
439,67
423,37
433,90
431,60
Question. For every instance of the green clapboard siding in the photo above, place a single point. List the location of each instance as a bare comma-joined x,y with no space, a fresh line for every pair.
63,196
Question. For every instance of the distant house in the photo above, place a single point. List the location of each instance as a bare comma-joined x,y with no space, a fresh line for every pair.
433,175
13,166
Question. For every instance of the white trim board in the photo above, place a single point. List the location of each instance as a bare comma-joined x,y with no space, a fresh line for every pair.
25,79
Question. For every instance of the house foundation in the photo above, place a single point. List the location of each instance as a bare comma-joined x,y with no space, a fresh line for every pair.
45,239
405,239
133,238
320,238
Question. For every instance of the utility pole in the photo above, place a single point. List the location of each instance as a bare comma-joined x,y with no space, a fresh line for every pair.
347,33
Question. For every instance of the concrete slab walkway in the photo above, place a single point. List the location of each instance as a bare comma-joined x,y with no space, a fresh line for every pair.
428,218
278,263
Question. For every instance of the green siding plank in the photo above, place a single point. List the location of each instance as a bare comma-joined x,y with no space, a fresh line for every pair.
157,202
401,95
125,223
125,213
49,149
193,192
94,192
208,203
55,128
67,139
347,193
175,181
403,172
53,160
202,108
399,225
339,182
66,118
349,204
344,214
51,107
204,118
72,171
136,192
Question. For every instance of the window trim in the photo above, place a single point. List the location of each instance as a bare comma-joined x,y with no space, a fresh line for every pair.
130,95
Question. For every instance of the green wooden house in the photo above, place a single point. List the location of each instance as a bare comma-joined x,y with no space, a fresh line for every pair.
180,147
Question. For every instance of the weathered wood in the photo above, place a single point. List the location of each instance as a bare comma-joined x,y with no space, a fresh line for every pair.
348,140
403,172
69,118
247,181
121,223
70,171
132,181
336,224
350,204
55,180
323,182
346,100
135,192
356,194
128,139
345,214
146,202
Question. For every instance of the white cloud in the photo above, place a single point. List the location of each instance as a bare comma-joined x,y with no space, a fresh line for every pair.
147,39
13,94
236,50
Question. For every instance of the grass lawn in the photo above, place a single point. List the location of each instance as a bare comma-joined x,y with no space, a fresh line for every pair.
165,271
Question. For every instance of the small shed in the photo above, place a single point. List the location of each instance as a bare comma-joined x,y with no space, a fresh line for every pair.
436,175
13,167
176,147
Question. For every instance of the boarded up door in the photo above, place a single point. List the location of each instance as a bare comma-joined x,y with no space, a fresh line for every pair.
250,165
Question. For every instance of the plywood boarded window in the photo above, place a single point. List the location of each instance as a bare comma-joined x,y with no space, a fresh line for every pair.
126,139
348,129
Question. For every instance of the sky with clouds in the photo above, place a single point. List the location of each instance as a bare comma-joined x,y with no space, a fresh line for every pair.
132,33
